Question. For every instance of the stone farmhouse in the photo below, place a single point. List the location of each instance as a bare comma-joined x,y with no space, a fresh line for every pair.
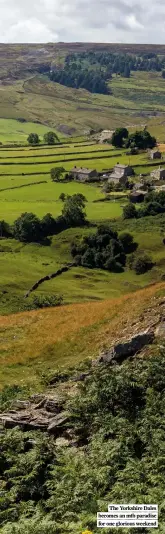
158,174
120,174
155,154
82,174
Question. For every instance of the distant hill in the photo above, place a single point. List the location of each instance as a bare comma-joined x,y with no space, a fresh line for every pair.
17,60
28,93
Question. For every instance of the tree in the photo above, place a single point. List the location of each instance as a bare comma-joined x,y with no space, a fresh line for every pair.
127,72
33,139
51,138
151,208
48,225
73,210
163,73
128,243
62,197
141,139
142,264
113,266
27,228
5,230
119,136
88,259
56,173
108,187
129,211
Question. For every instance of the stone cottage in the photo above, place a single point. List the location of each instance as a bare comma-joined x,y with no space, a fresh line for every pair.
81,174
158,174
120,174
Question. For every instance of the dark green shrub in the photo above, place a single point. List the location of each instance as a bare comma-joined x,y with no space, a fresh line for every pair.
33,139
142,264
128,243
88,259
102,250
129,211
48,301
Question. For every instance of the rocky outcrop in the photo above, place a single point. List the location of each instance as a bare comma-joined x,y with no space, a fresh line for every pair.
58,423
38,413
130,347
48,412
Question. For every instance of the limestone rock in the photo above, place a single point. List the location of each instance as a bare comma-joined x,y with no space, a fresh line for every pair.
59,422
37,398
54,405
160,331
127,348
21,404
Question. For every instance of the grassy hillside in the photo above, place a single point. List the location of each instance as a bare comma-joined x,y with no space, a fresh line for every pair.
111,448
72,111
26,94
14,131
22,265
33,344
25,183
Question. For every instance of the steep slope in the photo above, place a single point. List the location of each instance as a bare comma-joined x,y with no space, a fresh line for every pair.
34,344
96,433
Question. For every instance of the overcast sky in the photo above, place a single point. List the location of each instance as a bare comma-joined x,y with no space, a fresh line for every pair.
130,21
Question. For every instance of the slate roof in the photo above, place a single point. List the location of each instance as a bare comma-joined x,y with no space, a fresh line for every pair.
82,170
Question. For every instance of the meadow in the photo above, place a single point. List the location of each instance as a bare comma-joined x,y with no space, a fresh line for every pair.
25,182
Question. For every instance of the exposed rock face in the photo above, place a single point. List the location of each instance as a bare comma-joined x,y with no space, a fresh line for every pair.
48,412
38,413
127,348
58,423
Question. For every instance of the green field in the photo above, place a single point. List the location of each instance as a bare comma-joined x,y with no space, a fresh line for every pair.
21,265
13,131
25,183
44,198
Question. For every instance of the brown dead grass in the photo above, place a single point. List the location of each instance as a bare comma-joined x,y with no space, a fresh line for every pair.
66,335
161,147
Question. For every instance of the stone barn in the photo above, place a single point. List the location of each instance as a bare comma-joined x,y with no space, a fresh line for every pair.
155,154
158,174
81,174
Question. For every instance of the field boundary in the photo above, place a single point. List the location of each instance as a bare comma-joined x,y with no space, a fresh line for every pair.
23,185
60,154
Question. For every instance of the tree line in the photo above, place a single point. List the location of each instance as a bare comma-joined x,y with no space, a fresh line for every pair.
118,63
154,204
94,80
29,228
50,138
140,139
110,251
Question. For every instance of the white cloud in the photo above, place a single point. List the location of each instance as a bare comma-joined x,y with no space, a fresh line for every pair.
82,20
133,22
